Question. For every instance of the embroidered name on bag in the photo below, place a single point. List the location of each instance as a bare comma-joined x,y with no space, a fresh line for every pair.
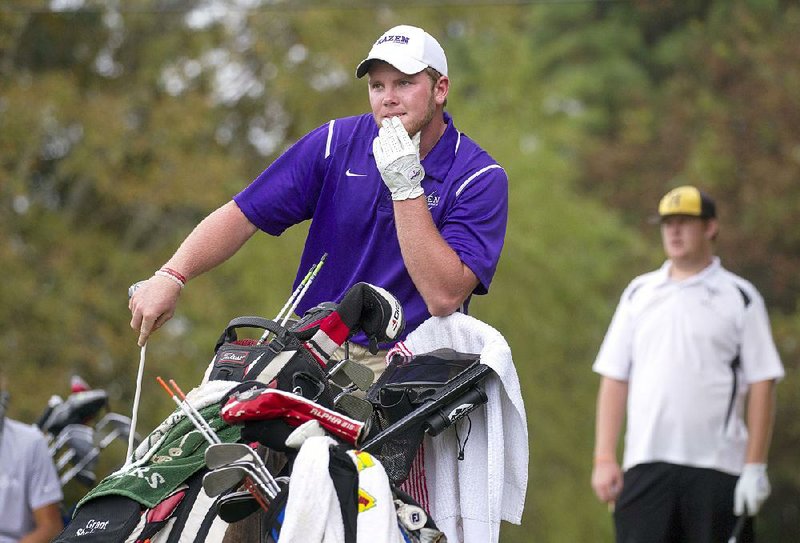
93,526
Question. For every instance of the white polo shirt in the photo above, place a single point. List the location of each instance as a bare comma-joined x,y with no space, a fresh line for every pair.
674,342
28,479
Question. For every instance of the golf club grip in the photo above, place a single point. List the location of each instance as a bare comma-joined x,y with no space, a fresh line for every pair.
449,394
737,529
445,417
4,396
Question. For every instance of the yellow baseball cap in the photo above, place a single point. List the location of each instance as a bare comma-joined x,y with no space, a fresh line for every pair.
687,200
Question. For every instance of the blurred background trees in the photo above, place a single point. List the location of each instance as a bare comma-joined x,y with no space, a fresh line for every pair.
122,124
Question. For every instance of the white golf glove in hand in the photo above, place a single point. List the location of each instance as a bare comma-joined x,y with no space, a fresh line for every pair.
752,489
397,157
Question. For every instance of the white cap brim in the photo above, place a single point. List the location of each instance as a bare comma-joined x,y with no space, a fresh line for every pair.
408,66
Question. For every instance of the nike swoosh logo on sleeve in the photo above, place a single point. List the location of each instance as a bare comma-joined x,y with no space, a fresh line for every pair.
348,173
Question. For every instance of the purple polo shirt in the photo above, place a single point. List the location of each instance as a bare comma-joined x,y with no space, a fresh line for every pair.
330,177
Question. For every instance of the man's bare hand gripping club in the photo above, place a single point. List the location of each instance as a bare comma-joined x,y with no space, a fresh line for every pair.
212,242
152,304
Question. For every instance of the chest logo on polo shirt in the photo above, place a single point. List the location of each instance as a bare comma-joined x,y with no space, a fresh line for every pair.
348,173
433,199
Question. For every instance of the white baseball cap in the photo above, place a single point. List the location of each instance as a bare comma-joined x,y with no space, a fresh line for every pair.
407,48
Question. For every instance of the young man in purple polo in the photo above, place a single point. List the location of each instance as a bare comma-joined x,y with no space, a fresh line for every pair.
398,198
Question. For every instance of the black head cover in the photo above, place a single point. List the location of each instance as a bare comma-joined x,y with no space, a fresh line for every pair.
373,310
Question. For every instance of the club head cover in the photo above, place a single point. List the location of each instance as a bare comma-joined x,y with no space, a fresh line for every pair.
274,404
243,389
364,307
271,433
373,310
310,322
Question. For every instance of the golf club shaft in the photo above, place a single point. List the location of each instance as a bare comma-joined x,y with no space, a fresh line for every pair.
136,397
203,422
296,295
253,489
79,466
737,529
305,288
243,454
200,428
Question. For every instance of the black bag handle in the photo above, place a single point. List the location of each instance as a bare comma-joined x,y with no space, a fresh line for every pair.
247,321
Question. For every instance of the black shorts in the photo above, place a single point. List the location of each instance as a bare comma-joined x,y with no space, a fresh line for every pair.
667,503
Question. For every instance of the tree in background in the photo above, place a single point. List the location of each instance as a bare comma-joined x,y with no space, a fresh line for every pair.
122,126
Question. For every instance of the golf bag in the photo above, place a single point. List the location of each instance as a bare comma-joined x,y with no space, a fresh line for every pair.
158,495
77,433
416,395
419,395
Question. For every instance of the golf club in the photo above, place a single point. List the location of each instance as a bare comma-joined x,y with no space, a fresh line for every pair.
358,374
236,506
136,397
69,432
198,417
305,288
224,454
353,406
74,440
738,527
77,442
226,478
112,426
295,297
199,423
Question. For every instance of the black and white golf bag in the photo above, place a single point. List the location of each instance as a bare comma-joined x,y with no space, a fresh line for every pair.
158,495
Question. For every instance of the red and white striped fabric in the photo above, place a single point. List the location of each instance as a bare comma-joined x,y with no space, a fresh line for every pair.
416,485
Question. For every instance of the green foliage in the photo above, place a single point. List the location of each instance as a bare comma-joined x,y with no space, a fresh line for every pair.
120,130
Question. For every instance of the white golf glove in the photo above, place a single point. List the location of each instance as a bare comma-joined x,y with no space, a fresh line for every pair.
751,489
397,157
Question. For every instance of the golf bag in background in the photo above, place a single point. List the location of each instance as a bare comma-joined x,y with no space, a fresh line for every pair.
80,407
77,433
123,507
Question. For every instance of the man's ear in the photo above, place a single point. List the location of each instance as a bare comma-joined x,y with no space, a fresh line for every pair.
712,229
441,89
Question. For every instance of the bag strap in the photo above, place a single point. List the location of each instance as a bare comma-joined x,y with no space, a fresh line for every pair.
229,334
